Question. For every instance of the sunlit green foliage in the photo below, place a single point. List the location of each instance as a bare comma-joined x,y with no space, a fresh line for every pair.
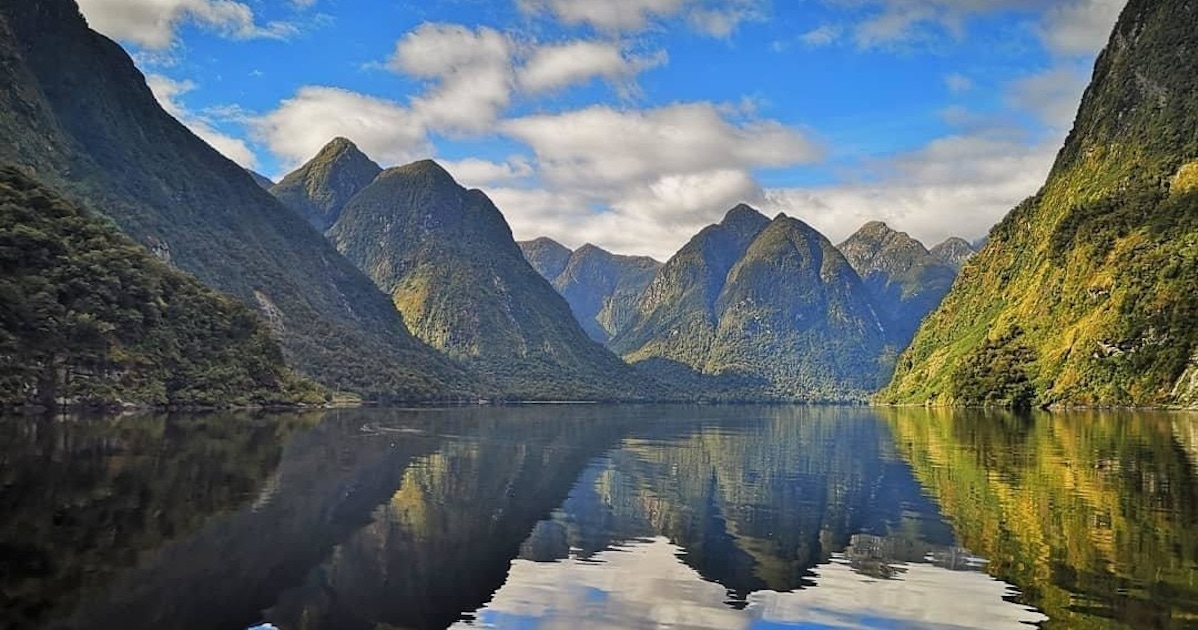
1099,268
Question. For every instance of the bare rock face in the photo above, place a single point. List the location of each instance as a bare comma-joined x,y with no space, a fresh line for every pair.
954,252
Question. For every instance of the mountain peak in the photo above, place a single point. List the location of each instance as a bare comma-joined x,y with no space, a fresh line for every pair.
547,256
743,213
954,251
428,168
319,189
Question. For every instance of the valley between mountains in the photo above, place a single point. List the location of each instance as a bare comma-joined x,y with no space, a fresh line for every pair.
398,284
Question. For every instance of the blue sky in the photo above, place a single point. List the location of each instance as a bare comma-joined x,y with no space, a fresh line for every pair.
632,123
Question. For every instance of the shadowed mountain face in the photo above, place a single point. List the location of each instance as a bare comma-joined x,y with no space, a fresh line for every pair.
261,179
91,317
76,113
547,256
319,190
771,305
601,288
904,280
446,256
1084,293
954,252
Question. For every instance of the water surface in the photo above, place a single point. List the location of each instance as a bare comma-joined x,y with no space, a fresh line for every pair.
601,517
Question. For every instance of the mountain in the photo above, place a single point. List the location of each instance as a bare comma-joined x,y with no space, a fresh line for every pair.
90,317
676,317
260,179
953,252
320,188
1084,294
78,115
447,257
547,256
770,304
904,280
601,288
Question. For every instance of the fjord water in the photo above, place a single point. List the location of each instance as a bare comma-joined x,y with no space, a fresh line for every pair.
590,516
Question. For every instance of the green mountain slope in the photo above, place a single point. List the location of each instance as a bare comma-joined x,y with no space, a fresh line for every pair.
1084,293
793,310
905,281
319,189
547,256
88,316
676,317
77,113
769,308
447,257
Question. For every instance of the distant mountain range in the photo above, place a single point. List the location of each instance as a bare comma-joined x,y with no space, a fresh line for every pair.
601,288
756,309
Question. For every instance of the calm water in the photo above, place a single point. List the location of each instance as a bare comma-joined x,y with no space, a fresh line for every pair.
601,517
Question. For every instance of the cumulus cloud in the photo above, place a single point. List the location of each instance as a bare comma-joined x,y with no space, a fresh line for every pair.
718,18
167,91
600,147
477,173
153,23
959,185
611,15
470,71
554,67
722,19
1068,27
304,123
1051,95
1080,27
667,171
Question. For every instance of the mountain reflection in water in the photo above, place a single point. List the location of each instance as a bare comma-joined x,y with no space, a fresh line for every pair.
589,516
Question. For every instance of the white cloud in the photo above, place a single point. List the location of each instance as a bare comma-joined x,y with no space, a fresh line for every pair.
958,185
1052,95
554,67
1068,27
167,91
718,18
724,18
153,23
470,70
301,125
642,181
611,15
476,173
823,36
1080,27
600,147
